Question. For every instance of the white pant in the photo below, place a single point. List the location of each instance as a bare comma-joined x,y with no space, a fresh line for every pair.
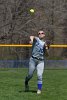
39,66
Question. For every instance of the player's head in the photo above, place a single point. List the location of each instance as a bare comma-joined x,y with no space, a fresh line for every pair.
41,34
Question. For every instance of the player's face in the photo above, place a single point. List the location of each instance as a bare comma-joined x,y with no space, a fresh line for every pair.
41,34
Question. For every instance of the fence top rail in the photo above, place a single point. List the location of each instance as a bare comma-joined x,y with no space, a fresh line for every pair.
28,45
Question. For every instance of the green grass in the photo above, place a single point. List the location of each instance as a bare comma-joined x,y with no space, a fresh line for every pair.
12,85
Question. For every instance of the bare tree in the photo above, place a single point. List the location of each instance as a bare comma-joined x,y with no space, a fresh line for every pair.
17,24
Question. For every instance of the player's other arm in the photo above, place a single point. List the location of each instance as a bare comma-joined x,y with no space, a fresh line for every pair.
31,39
47,45
47,49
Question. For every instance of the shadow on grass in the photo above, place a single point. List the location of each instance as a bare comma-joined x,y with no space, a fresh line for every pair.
32,91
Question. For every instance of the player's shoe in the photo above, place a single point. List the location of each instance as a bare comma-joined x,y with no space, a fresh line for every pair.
38,91
26,87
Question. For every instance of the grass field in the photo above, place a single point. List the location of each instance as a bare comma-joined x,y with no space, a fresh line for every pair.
12,85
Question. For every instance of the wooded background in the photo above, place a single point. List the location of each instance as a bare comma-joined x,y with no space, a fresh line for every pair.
17,24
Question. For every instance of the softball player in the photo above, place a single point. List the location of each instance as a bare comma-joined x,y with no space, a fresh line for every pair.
36,60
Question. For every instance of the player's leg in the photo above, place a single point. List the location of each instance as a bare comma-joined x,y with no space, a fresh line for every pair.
40,69
30,73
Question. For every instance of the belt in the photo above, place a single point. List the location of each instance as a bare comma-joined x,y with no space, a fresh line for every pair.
37,58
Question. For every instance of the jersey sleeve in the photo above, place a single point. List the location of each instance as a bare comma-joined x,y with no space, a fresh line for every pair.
36,38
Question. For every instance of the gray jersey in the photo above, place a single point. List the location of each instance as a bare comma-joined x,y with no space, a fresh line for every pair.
37,48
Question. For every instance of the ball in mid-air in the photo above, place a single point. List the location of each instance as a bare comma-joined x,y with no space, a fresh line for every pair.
32,10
